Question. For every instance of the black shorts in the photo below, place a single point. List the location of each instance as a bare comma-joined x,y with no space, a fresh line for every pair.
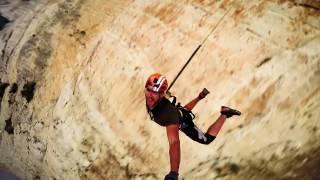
187,126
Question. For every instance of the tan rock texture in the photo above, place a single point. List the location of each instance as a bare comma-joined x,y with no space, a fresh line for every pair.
73,72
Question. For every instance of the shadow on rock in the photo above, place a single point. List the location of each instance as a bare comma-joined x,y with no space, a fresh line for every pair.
3,22
4,174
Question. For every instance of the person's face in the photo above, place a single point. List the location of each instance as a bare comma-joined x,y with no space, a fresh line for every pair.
152,98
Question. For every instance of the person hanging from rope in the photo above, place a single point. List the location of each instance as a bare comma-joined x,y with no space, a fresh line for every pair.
175,118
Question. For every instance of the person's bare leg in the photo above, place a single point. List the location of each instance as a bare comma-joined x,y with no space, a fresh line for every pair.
226,112
214,129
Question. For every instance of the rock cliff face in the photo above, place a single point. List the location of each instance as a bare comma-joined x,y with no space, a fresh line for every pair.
72,77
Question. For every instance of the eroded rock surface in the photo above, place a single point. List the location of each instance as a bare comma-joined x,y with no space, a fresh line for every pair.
72,77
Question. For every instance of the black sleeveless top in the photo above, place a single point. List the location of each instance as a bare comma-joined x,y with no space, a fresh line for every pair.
164,113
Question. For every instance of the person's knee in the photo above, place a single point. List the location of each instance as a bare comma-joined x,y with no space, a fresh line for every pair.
207,142
210,138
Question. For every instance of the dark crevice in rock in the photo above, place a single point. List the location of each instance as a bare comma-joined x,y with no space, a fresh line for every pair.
14,88
309,6
9,128
234,168
267,59
4,2
3,22
3,51
314,129
28,91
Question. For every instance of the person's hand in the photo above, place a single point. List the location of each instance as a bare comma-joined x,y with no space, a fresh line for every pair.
171,176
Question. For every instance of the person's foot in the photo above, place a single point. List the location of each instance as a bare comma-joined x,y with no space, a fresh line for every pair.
229,112
171,176
203,93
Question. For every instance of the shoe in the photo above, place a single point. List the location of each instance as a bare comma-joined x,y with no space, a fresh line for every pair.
203,93
229,112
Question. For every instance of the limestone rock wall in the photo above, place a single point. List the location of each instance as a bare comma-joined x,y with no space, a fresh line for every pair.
72,77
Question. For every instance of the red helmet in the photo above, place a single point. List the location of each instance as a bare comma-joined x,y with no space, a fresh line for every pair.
157,83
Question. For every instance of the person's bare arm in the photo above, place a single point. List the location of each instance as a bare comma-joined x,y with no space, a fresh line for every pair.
194,102
174,146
